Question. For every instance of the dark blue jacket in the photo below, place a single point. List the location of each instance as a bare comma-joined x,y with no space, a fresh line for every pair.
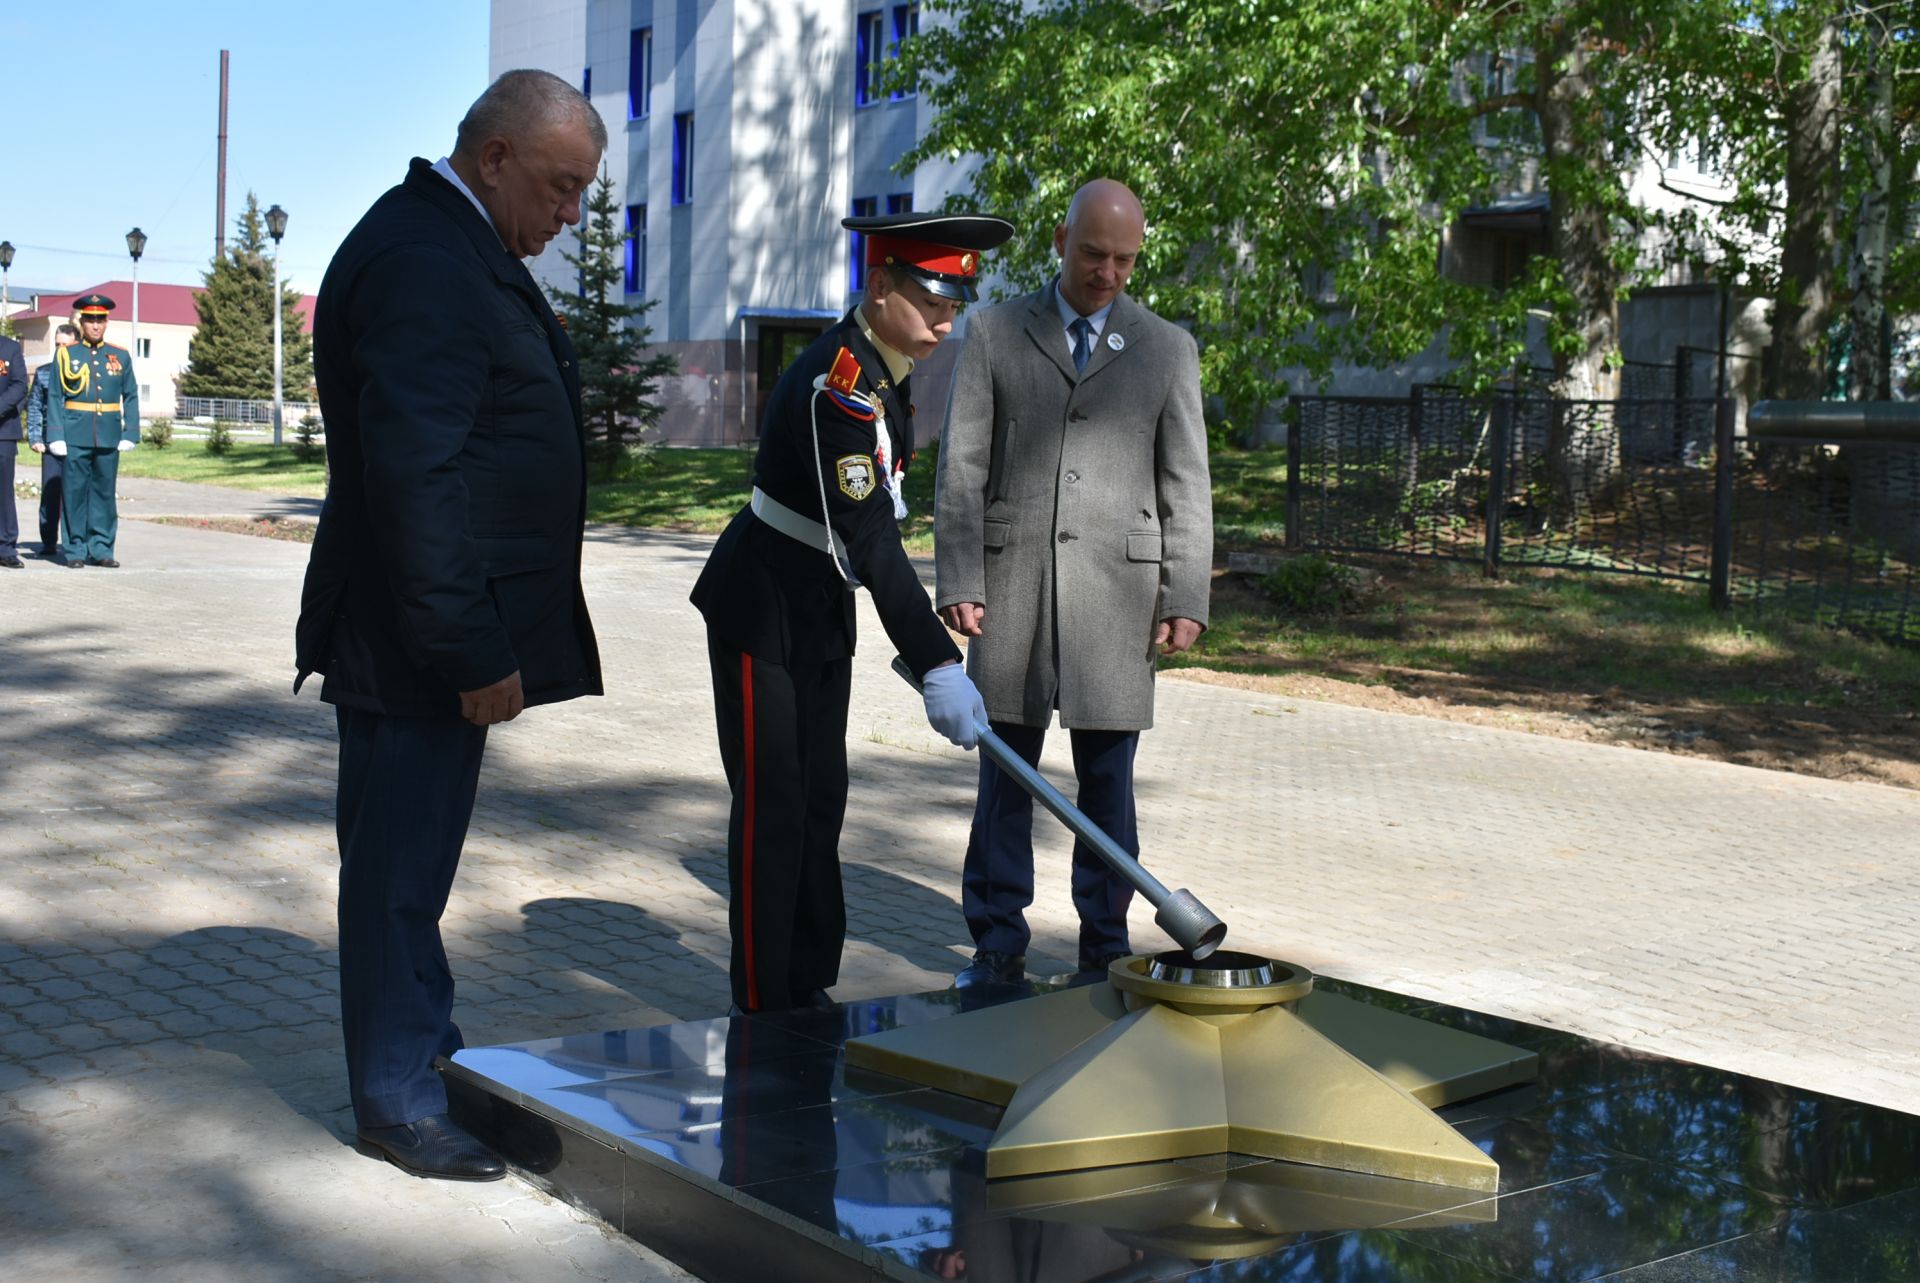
780,600
448,553
13,390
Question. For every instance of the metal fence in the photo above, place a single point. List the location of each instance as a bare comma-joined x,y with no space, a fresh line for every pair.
220,409
1826,529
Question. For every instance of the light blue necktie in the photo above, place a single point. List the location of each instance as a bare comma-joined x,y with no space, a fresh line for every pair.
1082,343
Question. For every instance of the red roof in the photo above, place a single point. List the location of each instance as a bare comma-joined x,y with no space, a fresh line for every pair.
160,304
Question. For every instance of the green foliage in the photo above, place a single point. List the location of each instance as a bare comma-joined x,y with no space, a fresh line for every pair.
1298,161
1312,586
219,437
158,433
231,353
619,381
307,438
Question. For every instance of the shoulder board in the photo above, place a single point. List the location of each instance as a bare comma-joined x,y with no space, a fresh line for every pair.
845,374
854,406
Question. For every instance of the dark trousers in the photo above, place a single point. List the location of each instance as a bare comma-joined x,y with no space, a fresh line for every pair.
406,794
53,478
93,517
9,511
996,885
783,741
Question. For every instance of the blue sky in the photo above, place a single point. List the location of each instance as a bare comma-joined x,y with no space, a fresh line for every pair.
327,100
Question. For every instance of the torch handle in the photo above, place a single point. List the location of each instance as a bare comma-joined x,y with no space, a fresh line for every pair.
1183,917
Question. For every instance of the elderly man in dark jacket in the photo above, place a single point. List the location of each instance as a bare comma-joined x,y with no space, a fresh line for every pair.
443,594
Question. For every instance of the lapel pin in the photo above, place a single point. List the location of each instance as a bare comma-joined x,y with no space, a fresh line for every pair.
1115,342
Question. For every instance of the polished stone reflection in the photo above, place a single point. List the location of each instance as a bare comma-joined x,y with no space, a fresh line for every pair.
744,1149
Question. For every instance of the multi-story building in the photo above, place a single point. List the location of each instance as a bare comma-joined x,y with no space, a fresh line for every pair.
742,132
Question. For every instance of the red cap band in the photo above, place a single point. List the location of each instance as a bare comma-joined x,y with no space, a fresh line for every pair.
944,259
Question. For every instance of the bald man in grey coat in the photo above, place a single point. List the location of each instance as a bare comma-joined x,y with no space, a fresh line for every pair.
1073,542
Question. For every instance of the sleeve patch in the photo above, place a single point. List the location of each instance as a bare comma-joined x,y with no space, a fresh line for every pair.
845,374
856,475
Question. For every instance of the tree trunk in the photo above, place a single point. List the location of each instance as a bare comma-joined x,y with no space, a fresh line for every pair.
1803,303
1868,378
1579,176
1582,190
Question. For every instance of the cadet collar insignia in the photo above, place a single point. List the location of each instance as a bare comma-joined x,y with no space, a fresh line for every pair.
844,376
1115,342
113,363
856,474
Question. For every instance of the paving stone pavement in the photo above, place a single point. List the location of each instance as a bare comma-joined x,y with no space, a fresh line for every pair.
171,1099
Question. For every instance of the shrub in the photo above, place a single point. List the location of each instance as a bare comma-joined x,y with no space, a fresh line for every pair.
1312,585
306,443
158,433
219,437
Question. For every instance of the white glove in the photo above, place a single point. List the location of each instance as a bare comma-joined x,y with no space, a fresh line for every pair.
954,707
127,445
58,449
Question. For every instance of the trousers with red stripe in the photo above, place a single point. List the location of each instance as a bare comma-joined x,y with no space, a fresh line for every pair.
783,741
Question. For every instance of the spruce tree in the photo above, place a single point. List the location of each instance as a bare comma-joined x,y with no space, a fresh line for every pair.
231,353
619,380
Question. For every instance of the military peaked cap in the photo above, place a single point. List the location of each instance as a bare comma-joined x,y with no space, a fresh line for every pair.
93,305
941,251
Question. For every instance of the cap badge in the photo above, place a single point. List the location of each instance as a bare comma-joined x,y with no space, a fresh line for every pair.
966,262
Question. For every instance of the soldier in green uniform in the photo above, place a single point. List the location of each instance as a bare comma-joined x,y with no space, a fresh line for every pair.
98,417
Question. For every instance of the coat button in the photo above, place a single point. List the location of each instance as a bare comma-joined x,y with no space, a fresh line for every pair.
1076,416
1072,477
1064,536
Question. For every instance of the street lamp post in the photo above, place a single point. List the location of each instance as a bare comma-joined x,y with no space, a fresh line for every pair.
136,246
276,228
6,265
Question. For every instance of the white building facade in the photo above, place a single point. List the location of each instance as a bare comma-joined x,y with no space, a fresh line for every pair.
741,133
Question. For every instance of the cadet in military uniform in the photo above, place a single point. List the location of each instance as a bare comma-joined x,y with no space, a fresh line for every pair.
777,594
40,405
98,419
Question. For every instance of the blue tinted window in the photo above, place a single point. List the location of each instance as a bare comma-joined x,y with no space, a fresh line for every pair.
863,207
640,74
636,249
683,158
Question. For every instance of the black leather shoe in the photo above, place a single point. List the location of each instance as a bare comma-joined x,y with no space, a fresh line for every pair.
1098,964
13,563
108,562
433,1147
991,968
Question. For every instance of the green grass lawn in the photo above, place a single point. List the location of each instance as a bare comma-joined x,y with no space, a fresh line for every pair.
1419,624
246,466
1427,626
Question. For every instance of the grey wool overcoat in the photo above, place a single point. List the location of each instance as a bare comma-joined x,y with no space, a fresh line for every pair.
1075,508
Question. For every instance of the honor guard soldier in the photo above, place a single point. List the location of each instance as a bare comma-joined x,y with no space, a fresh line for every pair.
93,416
777,594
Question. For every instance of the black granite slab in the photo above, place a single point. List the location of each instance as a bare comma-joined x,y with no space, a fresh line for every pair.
743,1150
